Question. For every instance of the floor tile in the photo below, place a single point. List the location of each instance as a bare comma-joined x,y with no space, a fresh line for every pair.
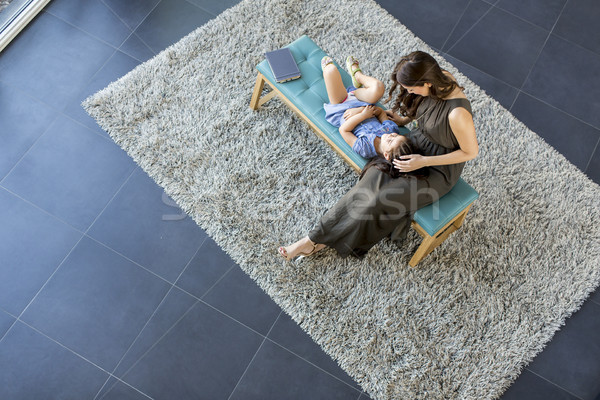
42,369
134,224
32,246
214,7
571,137
240,297
132,12
24,119
364,396
275,373
174,307
6,321
541,13
289,335
170,21
96,303
208,266
202,357
121,391
137,49
579,24
93,17
500,91
500,45
572,359
441,14
593,169
71,172
118,65
473,14
566,76
52,60
529,386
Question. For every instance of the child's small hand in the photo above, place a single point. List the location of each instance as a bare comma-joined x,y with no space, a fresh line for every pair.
351,112
369,111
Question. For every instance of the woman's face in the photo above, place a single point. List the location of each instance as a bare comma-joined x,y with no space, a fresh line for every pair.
389,141
420,90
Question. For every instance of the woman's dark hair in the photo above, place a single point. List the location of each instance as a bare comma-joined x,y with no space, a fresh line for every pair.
416,69
382,164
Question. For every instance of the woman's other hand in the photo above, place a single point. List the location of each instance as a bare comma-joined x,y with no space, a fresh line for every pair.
411,162
349,113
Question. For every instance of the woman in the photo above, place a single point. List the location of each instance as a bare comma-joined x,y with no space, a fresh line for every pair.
380,205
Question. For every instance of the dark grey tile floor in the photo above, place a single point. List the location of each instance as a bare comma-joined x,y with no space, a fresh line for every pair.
108,291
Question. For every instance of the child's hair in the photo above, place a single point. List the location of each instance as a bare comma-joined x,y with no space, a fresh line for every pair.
381,163
416,69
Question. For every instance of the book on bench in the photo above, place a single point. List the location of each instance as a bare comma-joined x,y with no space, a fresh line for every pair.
283,65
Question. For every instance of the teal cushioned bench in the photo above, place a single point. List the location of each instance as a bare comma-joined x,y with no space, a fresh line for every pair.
308,93
306,96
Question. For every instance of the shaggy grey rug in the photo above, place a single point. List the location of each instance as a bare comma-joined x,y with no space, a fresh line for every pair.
461,325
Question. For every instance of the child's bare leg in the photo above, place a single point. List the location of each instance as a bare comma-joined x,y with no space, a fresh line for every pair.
372,89
334,85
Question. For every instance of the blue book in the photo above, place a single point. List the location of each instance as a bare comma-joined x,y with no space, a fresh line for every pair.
283,65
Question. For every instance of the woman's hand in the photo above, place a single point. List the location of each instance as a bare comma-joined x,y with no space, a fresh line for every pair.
349,113
392,115
411,162
398,120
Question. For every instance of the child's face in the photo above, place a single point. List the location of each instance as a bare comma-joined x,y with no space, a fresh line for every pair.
390,141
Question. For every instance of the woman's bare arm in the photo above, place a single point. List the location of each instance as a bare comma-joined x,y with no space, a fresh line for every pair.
461,123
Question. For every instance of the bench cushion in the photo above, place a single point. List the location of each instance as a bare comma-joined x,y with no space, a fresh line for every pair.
308,93
433,217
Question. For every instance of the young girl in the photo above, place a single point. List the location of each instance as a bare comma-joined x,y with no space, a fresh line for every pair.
365,127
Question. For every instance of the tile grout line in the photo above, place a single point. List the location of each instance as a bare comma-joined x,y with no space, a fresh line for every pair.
518,91
18,319
203,9
152,316
29,149
538,55
254,356
104,42
153,345
546,29
64,258
318,367
470,29
136,27
553,383
79,355
456,25
596,149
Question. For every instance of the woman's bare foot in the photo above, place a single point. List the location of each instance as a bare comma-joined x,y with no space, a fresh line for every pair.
303,247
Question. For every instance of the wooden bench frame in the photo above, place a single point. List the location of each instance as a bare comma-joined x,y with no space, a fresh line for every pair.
429,242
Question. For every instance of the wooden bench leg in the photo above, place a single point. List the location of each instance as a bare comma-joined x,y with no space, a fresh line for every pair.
461,217
425,248
431,242
256,101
